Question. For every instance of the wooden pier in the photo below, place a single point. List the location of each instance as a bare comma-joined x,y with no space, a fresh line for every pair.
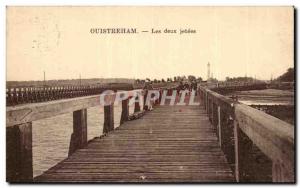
220,140
169,144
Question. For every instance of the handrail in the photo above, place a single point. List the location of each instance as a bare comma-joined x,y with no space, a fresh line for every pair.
34,111
274,137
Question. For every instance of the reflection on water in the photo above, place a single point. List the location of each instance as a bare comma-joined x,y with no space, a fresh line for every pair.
51,136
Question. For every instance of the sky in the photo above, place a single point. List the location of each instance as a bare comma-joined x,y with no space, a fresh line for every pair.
237,41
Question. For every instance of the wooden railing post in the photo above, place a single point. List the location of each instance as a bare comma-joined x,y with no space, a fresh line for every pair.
108,118
281,173
219,126
157,101
137,106
212,113
204,99
206,103
125,111
236,151
243,153
212,110
79,135
200,96
208,106
160,96
19,153
145,100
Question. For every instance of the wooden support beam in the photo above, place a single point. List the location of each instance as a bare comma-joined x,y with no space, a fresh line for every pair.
125,111
79,135
19,153
108,118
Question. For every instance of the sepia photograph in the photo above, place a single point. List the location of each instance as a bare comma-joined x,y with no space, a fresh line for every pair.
150,94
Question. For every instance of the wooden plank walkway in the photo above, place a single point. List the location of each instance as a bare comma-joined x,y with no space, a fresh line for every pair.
168,144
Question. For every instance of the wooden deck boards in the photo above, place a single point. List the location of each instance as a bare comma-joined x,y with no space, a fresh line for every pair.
168,144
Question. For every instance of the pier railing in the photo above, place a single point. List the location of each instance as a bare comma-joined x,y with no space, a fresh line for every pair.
22,95
258,146
19,127
35,94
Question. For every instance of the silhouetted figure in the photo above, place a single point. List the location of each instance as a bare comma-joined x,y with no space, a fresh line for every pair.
180,87
194,87
148,86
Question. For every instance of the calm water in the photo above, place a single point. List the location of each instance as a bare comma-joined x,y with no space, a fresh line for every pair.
265,97
51,136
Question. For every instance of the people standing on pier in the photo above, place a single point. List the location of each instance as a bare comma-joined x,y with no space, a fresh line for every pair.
187,88
180,87
194,87
148,86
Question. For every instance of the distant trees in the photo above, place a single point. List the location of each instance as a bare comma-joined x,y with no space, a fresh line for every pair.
288,76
